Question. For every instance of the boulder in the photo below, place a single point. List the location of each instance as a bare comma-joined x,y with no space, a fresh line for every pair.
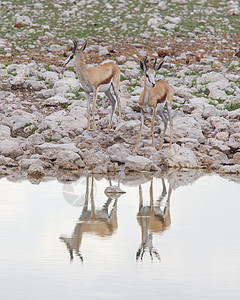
219,145
10,148
210,110
22,21
25,163
139,164
118,153
5,132
176,157
50,151
19,119
94,159
234,141
127,132
187,127
236,158
7,161
69,160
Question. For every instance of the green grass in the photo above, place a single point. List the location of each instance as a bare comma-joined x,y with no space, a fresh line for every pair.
232,106
91,23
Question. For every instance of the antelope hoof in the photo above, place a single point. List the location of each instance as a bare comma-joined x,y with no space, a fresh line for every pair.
135,150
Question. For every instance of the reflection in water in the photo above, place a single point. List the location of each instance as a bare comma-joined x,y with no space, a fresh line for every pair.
200,256
153,218
100,222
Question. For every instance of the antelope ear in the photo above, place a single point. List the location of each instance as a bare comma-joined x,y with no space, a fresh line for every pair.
142,66
160,65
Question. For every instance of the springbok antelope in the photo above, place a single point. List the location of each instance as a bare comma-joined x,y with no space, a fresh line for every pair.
96,79
99,222
155,97
153,218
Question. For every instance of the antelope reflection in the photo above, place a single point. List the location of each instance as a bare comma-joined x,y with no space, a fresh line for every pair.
99,222
154,218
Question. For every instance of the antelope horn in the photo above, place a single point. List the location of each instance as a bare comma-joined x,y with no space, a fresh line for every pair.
74,46
145,63
154,65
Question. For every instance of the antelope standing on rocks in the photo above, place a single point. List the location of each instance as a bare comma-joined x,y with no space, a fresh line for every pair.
96,79
155,97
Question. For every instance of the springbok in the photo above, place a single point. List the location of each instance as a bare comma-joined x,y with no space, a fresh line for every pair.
96,79
153,218
155,97
99,222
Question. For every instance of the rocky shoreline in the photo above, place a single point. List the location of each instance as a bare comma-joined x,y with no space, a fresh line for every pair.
45,127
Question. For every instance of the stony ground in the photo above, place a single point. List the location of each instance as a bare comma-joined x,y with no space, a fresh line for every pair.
43,108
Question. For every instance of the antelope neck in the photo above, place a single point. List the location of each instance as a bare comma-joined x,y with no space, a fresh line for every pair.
81,71
145,93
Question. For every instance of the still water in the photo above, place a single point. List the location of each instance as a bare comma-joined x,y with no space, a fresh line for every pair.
174,236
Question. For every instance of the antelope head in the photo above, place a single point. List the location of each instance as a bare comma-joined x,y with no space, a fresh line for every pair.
150,74
74,53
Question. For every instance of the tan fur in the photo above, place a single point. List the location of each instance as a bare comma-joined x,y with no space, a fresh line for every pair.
93,78
103,74
158,94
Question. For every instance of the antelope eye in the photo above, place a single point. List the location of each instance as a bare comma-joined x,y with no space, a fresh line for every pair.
71,57
147,75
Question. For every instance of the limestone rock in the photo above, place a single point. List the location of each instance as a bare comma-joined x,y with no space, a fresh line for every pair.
139,164
10,148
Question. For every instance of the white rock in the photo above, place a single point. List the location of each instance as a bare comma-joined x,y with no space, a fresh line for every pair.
169,26
235,169
216,93
211,77
139,164
174,20
118,153
50,77
162,5
234,12
48,150
65,84
132,73
20,69
218,145
219,123
69,160
23,20
55,100
222,136
127,131
187,127
10,148
210,110
5,132
234,141
155,22
17,82
19,119
176,157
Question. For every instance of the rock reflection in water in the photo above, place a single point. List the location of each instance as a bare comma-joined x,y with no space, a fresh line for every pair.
100,222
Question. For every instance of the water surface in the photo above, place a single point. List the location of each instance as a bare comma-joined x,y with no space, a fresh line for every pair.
174,236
